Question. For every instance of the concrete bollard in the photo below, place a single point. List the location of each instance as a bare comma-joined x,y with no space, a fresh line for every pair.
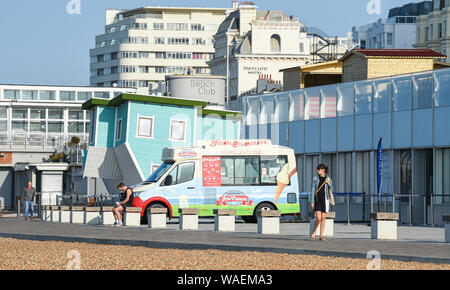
107,216
64,214
92,215
446,219
132,217
268,222
77,215
188,218
225,220
384,225
55,214
329,224
156,218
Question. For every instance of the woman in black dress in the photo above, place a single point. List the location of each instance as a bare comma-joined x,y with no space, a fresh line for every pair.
321,192
126,199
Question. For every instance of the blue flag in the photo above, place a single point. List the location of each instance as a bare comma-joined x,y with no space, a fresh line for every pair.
379,167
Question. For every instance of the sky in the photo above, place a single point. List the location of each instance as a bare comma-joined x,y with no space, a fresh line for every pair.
41,43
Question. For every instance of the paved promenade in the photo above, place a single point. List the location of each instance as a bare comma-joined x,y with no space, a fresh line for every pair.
420,244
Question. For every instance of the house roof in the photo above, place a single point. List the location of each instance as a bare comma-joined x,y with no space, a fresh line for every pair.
122,98
394,53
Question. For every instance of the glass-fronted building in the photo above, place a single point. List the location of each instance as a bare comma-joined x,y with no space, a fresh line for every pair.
341,126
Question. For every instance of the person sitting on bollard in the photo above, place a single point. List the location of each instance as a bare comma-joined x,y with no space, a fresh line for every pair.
29,199
126,199
322,192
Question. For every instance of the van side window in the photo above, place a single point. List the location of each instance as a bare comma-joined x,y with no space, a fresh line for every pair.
239,170
270,167
182,173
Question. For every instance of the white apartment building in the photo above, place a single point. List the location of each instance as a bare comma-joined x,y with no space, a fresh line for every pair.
252,43
141,46
433,28
396,32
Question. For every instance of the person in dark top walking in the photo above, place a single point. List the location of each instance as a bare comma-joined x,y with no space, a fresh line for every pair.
126,199
29,199
322,195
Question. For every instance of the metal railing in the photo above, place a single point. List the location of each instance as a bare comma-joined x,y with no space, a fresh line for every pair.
12,140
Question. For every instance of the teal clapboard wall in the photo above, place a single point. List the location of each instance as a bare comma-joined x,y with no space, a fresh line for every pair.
105,127
148,150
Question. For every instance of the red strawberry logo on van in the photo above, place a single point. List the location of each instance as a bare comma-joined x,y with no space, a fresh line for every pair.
234,197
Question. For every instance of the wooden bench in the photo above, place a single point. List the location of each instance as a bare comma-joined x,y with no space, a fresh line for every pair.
64,214
384,225
268,221
132,217
92,215
329,224
224,220
157,217
188,218
446,219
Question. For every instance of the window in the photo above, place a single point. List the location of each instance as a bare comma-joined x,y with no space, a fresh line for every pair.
101,95
29,95
389,39
55,114
38,127
159,40
19,126
145,127
275,43
197,27
239,170
67,96
84,96
119,129
270,167
160,69
75,127
75,115
3,112
184,172
92,128
363,44
178,40
55,127
158,26
160,55
12,94
177,26
47,95
37,113
19,113
177,130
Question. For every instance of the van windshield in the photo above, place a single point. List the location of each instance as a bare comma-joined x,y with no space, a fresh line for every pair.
159,172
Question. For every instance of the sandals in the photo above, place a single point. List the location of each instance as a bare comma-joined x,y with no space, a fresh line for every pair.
321,239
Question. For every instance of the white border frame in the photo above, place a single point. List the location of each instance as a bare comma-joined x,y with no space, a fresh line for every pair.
153,127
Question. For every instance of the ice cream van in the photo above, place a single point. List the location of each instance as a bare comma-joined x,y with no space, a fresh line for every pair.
245,175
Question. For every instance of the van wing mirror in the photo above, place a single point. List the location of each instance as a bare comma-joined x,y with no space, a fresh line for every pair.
168,180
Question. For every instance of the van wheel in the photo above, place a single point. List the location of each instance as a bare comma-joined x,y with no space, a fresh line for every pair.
262,206
153,205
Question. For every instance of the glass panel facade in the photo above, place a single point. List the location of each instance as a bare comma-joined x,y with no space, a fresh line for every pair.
20,113
312,103
401,94
3,112
55,127
345,105
253,110
442,88
75,115
37,127
382,96
282,108
75,127
328,102
84,96
267,109
297,107
363,98
422,91
101,95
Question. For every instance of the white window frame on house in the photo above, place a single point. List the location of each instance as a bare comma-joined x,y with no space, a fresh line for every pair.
184,130
119,129
150,136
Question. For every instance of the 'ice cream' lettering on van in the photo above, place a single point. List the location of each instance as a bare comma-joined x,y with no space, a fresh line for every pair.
234,197
236,144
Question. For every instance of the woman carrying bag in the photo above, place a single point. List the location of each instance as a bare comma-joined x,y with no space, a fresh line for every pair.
321,197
